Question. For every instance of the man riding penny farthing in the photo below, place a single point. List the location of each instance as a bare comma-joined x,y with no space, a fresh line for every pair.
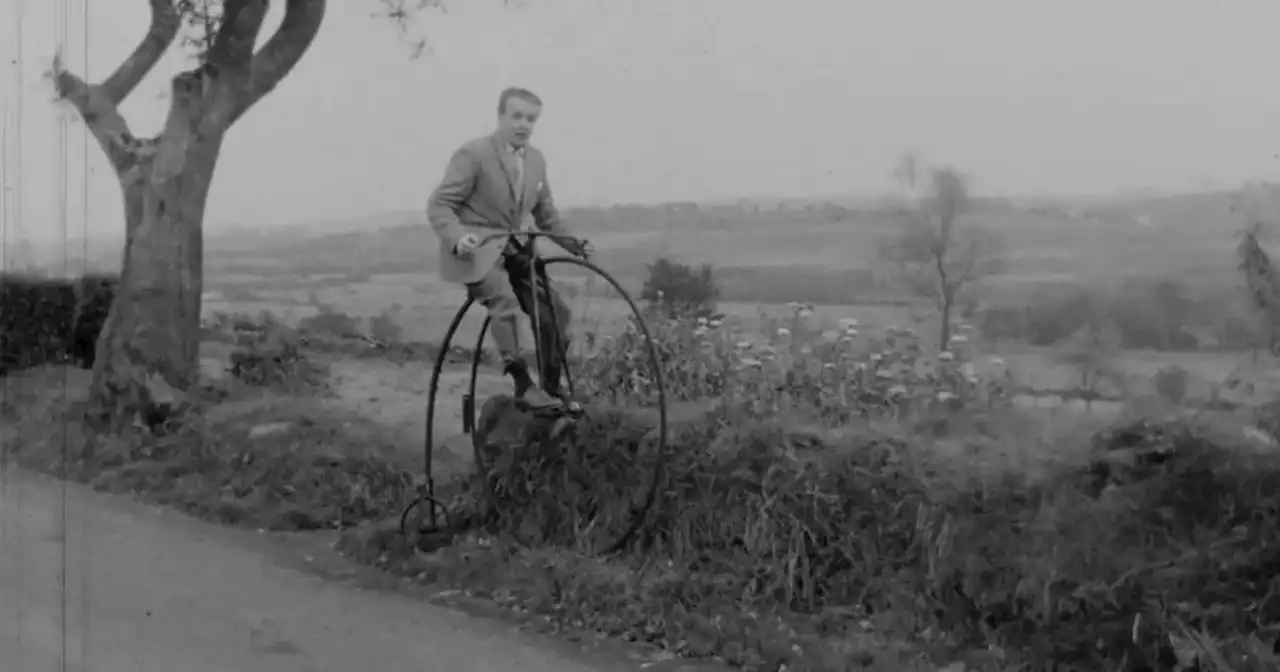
490,186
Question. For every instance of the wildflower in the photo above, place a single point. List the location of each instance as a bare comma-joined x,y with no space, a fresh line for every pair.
945,396
830,336
702,321
897,390
750,362
875,356
848,323
744,345
851,332
700,331
783,332
997,361
714,324
946,356
959,338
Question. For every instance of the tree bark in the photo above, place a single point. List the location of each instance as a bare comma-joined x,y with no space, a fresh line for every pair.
154,325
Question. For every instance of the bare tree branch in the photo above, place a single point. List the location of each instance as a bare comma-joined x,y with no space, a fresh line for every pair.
276,58
232,48
103,119
165,23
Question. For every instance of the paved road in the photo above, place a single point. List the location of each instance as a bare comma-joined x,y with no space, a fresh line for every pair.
146,590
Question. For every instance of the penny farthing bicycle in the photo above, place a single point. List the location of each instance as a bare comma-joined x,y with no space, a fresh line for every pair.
428,509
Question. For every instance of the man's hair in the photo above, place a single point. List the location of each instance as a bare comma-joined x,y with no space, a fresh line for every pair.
516,92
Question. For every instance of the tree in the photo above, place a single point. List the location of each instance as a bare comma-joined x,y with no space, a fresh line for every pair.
935,257
153,328
1093,352
1263,283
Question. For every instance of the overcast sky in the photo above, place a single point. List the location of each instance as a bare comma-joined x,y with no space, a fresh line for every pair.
652,100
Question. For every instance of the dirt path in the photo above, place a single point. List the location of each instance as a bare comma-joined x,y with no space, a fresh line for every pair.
149,590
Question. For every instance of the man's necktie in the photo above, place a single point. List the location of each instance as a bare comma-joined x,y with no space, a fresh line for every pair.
517,164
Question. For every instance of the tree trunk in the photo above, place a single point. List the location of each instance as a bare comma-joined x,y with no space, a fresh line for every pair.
944,330
153,329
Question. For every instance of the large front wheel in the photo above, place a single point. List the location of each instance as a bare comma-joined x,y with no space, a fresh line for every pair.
610,358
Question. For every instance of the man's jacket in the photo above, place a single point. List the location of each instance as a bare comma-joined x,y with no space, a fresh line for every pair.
477,195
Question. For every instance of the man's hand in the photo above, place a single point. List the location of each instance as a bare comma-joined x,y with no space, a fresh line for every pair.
465,246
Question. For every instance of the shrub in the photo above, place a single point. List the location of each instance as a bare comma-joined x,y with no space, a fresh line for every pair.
678,288
52,320
1155,542
1171,383
272,355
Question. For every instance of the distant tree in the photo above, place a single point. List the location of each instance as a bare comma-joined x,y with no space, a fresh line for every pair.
1093,352
679,288
1263,283
936,257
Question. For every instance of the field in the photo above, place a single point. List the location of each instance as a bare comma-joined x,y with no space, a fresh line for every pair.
834,497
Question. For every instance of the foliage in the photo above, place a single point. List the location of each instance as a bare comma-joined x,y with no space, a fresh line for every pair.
1160,314
679,288
795,367
51,320
272,354
384,328
259,461
782,541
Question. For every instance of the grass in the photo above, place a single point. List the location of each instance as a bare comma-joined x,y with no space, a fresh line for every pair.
836,501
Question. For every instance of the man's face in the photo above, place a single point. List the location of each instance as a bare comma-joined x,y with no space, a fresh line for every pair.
518,119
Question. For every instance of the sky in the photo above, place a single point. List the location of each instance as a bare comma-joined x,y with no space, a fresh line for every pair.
662,100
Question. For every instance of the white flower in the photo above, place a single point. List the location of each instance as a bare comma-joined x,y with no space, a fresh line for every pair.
830,336
744,345
750,362
848,323
959,338
997,361
851,332
714,324
875,356
897,390
945,396
783,332
946,356
702,320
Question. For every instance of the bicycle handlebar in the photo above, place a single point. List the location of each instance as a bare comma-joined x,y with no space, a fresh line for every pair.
485,240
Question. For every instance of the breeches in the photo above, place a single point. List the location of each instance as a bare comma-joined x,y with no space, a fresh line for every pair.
509,289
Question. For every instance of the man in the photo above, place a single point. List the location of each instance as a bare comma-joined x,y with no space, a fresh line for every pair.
490,185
